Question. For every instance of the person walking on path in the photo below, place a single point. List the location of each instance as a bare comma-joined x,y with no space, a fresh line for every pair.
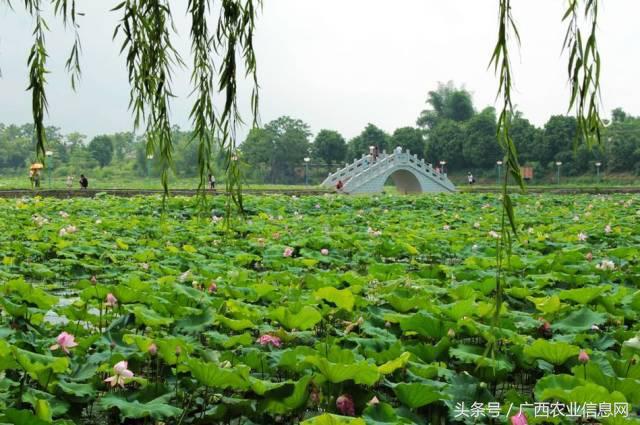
470,178
69,182
212,182
84,182
36,178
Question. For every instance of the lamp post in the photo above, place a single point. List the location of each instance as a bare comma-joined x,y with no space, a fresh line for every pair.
598,164
558,164
499,165
306,170
149,158
442,169
49,154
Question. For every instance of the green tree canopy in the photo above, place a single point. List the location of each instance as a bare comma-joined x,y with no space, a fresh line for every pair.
447,102
101,149
370,136
480,147
330,147
409,138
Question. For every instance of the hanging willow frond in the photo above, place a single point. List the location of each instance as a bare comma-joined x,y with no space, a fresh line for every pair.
37,62
145,26
507,30
202,113
584,69
235,30
67,10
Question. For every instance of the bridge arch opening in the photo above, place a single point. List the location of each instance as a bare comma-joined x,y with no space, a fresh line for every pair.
405,181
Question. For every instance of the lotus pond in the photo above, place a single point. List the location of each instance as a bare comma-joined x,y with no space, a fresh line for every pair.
322,310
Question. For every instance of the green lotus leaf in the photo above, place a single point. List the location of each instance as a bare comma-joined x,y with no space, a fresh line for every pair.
579,321
234,324
392,365
583,295
555,353
148,317
282,404
157,409
416,395
343,298
212,375
304,318
360,372
383,414
424,324
22,417
329,419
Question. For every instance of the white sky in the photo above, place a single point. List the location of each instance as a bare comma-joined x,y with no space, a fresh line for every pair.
336,64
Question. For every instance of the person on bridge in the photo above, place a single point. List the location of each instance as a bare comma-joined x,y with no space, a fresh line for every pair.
212,182
84,182
339,185
470,178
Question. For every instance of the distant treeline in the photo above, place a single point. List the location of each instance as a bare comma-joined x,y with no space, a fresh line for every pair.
451,129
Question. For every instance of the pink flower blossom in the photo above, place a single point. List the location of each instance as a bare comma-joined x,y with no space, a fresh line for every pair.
324,251
213,287
65,341
446,227
153,349
583,357
288,252
589,256
94,279
374,400
582,236
112,301
63,214
519,419
121,374
269,340
345,405
494,234
607,229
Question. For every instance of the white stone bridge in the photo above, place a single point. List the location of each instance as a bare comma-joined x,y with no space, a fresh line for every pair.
410,175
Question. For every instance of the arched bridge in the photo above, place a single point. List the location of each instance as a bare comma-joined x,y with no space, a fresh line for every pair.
410,175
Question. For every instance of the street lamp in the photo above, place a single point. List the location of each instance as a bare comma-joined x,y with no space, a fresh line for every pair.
598,164
149,158
558,164
499,165
49,154
306,170
442,169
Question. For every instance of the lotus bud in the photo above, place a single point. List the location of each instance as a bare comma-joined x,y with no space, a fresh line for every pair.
583,357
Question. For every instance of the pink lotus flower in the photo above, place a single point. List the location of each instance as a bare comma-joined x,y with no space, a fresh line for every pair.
63,214
451,333
121,374
64,341
446,227
373,401
153,349
324,251
519,419
583,357
288,252
345,405
607,229
582,236
494,234
112,301
589,256
213,288
94,279
269,340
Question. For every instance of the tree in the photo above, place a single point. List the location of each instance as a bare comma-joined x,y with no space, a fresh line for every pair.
559,135
623,143
525,137
444,143
370,136
480,147
101,149
447,102
330,147
278,149
409,138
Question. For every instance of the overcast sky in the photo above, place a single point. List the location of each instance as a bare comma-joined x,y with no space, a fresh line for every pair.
336,64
